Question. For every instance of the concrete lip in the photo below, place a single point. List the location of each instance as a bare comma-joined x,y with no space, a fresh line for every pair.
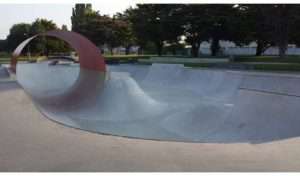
167,102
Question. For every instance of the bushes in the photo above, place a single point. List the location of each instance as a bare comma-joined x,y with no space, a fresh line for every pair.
272,59
277,67
117,59
4,55
251,66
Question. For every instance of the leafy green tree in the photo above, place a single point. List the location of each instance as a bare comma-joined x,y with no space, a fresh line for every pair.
255,26
102,29
17,34
131,15
280,21
155,23
96,27
64,27
43,45
272,24
284,21
90,23
126,34
62,46
173,22
112,35
221,21
195,26
209,23
294,33
3,45
80,13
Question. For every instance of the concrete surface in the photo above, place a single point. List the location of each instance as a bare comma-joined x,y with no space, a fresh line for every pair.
168,102
31,142
3,72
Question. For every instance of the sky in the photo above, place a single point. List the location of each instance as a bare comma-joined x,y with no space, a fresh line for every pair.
59,13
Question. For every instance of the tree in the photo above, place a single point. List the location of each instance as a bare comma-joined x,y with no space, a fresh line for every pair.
62,46
64,27
155,23
79,16
3,45
173,22
22,31
209,23
131,15
194,26
294,33
43,44
17,34
126,34
272,25
276,17
112,34
90,23
255,26
98,28
222,23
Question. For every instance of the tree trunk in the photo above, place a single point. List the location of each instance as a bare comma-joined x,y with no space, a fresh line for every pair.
111,51
195,49
282,41
127,50
282,29
159,47
140,50
215,47
259,48
282,49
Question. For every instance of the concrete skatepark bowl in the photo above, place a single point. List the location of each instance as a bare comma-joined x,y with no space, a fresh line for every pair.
161,101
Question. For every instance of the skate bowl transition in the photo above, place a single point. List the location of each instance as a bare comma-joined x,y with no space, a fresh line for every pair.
161,101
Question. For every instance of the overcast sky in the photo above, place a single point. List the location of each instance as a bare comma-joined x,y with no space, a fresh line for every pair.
58,13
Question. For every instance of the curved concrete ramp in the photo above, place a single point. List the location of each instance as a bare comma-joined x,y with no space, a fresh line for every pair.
3,72
168,102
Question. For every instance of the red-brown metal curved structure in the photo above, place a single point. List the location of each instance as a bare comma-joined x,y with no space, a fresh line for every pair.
90,56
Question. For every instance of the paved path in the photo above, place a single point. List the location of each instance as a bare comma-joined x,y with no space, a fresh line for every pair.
31,142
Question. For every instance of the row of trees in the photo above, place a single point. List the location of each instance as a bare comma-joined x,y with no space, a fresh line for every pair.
43,45
270,25
267,25
172,25
101,29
